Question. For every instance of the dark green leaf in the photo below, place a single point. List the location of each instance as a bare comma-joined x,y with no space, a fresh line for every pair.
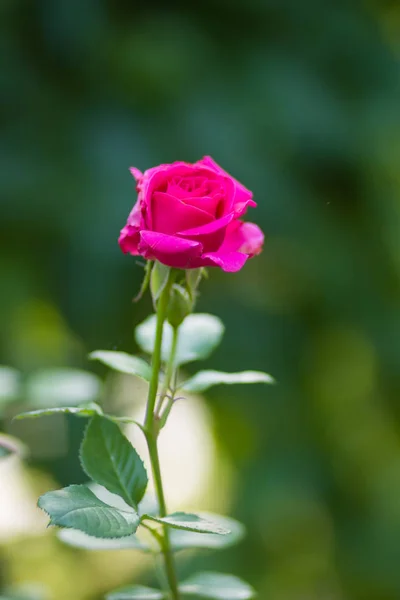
199,334
78,508
87,410
126,420
135,592
78,539
182,540
206,379
123,362
110,460
217,586
189,522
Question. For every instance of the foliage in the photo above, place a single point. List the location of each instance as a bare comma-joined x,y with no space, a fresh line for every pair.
109,459
300,99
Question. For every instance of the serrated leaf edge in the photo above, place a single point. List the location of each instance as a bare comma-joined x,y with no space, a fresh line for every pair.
92,357
134,505
161,521
52,524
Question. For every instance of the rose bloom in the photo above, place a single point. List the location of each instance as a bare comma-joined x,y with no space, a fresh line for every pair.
188,216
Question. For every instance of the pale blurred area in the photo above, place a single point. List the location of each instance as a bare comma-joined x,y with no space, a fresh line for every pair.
196,476
299,101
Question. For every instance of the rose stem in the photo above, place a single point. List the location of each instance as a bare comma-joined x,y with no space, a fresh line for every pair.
170,372
151,432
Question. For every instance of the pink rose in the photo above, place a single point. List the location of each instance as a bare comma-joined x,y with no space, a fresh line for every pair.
187,216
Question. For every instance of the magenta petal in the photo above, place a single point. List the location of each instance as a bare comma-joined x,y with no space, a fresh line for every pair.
227,261
205,203
168,249
135,216
171,214
242,194
136,173
129,239
211,235
209,228
241,207
243,237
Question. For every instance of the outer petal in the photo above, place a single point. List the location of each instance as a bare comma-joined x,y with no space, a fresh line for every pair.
227,261
243,237
242,194
168,249
240,208
129,236
136,173
135,216
129,239
211,235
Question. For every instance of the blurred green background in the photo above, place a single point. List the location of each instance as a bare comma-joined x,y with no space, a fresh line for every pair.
300,100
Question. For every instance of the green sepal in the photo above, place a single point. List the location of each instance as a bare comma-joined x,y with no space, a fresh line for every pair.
123,362
145,282
158,281
199,335
193,278
203,380
109,458
217,586
77,507
179,306
188,522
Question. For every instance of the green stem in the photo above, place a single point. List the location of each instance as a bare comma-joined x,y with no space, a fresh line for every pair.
171,369
151,433
166,546
156,361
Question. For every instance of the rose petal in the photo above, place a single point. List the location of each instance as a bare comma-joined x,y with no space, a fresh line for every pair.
243,237
211,235
171,214
242,194
129,239
240,208
186,187
227,261
157,178
135,216
136,173
169,250
206,204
